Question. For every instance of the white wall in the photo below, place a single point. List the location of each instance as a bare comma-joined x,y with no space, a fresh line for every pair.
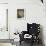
3,1
3,21
34,12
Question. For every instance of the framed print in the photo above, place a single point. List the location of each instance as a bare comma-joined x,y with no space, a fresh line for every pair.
20,13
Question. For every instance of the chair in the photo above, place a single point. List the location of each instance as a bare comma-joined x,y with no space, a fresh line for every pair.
33,30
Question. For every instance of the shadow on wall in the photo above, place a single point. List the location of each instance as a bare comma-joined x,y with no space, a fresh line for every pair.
41,34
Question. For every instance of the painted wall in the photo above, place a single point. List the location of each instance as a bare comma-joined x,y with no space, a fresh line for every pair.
3,1
3,34
3,21
34,12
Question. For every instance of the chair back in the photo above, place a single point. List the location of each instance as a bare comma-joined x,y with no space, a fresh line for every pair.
33,28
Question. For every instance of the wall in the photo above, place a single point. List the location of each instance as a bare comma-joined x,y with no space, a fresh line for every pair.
34,12
3,7
3,21
4,34
29,6
3,1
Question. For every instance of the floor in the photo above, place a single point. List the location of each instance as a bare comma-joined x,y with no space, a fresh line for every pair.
27,44
6,44
23,44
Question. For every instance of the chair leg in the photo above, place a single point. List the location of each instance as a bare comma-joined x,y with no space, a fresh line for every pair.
32,42
20,42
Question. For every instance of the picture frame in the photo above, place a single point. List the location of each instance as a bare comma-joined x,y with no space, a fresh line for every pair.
20,13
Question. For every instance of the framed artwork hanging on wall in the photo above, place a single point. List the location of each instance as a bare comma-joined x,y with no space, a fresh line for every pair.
20,13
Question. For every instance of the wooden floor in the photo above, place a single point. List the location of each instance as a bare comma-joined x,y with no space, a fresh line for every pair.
6,44
6,40
27,44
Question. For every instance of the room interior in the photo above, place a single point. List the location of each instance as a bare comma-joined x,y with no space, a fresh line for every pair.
14,16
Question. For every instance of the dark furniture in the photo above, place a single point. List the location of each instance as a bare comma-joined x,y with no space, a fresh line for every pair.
42,1
33,30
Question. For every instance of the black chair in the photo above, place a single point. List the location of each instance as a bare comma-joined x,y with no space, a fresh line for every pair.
32,29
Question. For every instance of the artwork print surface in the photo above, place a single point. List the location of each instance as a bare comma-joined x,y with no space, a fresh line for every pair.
20,13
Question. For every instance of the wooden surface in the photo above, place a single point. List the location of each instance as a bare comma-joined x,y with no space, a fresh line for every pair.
29,44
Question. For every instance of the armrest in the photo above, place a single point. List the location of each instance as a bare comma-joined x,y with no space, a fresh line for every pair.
24,32
22,35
